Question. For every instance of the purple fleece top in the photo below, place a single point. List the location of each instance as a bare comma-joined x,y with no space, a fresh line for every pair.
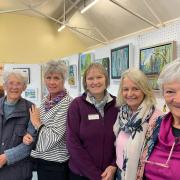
161,152
90,138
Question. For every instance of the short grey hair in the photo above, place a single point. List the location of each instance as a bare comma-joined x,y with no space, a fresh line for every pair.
140,79
58,67
170,73
18,74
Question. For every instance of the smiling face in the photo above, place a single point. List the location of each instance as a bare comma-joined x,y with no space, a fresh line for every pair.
14,87
132,94
96,83
54,83
171,92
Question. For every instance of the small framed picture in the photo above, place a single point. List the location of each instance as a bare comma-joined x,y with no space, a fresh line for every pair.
72,75
119,61
25,71
104,62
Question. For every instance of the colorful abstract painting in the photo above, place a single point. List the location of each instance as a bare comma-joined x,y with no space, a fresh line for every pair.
154,58
72,75
104,62
85,61
119,61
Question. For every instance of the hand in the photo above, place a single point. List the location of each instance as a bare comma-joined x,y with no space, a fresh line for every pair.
109,173
27,139
3,160
35,116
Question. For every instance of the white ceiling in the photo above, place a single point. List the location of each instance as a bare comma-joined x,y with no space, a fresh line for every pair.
105,21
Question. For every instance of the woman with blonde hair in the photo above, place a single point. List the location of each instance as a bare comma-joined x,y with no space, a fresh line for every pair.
137,108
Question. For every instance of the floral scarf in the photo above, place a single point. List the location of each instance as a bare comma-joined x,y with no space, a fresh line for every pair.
50,103
135,125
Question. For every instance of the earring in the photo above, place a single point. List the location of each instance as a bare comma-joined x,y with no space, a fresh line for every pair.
164,108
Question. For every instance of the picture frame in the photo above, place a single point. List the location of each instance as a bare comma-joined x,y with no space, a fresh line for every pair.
84,61
66,62
154,58
25,71
72,75
105,62
119,61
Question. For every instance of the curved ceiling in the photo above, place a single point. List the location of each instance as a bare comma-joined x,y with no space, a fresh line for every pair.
105,21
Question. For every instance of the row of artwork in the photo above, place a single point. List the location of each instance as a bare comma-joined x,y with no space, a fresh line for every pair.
152,60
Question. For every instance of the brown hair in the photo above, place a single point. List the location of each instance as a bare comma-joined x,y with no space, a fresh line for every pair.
98,66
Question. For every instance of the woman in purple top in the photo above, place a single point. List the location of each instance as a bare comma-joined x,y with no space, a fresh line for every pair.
160,159
90,137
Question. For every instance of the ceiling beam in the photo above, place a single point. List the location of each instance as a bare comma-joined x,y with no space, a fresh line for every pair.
153,12
134,13
68,26
14,10
74,5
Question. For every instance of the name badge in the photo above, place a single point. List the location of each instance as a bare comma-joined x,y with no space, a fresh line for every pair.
93,116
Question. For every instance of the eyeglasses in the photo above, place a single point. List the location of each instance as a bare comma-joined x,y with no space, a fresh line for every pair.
166,164
14,84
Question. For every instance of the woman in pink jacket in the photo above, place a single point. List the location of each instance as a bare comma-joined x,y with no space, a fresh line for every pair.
160,159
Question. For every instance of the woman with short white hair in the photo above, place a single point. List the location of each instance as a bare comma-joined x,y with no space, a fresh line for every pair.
14,120
160,159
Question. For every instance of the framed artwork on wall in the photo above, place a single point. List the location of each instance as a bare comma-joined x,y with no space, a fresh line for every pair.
104,62
25,71
72,75
66,62
154,58
84,61
119,61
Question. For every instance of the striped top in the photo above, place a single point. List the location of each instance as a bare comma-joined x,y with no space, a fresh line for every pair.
51,145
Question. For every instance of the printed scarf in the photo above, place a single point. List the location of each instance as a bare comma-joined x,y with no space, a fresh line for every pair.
135,125
50,103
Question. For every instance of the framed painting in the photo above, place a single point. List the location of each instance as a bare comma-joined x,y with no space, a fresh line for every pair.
154,58
66,62
72,75
119,61
85,61
25,71
104,62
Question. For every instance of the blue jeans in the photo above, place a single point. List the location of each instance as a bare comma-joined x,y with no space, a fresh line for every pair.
118,174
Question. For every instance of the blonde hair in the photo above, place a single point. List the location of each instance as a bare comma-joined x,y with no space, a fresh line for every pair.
140,79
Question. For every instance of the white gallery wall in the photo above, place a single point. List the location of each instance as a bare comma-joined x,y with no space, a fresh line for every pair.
168,33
